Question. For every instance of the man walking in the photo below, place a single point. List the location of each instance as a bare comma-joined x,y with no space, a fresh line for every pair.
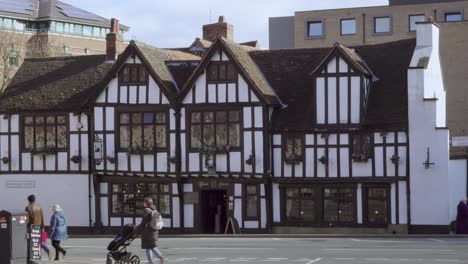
35,217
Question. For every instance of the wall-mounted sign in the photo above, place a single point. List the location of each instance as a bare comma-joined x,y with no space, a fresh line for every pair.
460,141
191,198
20,184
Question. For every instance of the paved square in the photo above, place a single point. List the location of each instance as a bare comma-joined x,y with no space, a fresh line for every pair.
285,250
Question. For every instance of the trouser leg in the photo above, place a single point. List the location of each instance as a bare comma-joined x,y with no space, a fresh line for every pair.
149,255
157,252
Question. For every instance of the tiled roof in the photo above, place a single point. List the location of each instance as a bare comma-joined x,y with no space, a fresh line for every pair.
288,72
61,83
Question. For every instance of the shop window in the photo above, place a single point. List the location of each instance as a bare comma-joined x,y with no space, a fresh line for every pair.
127,199
293,149
301,205
142,132
134,74
377,205
339,205
251,202
362,147
45,133
219,72
215,129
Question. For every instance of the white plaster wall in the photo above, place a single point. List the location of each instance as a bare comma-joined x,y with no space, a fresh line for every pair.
457,184
70,191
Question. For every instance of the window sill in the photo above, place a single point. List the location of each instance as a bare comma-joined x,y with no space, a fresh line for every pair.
314,37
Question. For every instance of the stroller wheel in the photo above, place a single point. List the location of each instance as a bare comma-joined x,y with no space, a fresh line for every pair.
135,260
124,260
109,259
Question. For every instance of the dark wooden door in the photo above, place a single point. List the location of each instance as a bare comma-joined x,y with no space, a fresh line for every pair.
213,211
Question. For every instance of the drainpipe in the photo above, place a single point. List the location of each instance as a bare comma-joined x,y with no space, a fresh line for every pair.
364,28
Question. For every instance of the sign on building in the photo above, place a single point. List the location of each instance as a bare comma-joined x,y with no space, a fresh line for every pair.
460,141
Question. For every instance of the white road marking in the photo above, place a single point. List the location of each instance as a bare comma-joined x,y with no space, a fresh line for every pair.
242,259
388,249
314,261
276,239
377,259
212,259
436,240
356,240
220,248
447,260
274,259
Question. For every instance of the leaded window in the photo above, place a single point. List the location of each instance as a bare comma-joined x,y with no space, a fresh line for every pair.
362,146
221,72
251,202
220,129
293,149
127,199
377,199
134,74
301,205
143,131
45,133
339,205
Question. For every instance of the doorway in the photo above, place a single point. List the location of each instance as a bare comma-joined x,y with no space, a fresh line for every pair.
213,211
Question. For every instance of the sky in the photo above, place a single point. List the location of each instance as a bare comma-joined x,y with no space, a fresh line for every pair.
176,23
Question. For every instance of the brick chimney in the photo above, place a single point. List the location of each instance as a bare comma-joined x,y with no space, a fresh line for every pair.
113,40
221,29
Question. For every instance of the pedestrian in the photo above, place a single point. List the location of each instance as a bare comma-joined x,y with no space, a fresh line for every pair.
462,217
58,230
149,231
35,217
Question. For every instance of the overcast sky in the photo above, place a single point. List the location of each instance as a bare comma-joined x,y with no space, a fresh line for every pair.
176,23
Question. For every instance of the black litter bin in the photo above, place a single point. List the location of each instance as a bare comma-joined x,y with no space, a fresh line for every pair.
13,239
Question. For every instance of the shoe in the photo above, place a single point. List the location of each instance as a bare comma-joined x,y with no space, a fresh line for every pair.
51,257
161,260
64,253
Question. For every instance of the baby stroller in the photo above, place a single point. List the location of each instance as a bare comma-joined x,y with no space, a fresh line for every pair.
118,247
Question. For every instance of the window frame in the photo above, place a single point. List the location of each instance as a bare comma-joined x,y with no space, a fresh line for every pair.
361,135
293,137
353,199
227,65
390,27
154,124
56,149
120,195
365,204
316,199
409,20
341,26
446,14
307,29
190,123
131,68
258,196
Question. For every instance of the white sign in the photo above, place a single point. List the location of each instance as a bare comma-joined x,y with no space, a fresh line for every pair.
460,141
4,226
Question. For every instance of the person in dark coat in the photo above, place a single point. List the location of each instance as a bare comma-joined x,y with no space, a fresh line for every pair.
149,234
462,217
58,230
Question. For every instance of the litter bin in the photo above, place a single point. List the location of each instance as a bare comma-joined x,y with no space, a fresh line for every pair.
13,237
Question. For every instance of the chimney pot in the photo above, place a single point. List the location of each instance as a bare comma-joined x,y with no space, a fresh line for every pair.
221,19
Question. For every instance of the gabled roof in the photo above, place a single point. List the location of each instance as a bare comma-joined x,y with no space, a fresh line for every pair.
288,72
248,69
54,84
350,56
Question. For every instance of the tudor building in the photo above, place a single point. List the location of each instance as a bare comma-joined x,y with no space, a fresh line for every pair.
307,140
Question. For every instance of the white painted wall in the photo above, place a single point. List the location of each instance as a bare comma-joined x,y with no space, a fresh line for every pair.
70,191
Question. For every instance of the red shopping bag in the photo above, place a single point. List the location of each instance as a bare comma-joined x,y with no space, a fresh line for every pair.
44,236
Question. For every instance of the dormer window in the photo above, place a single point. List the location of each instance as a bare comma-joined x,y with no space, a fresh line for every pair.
219,72
134,74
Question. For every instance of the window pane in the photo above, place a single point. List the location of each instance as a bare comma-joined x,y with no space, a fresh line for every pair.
136,137
208,135
221,117
346,211
234,116
195,136
231,72
221,135
161,118
251,206
308,210
126,75
289,148
78,29
414,19
134,74
348,26
298,147
148,143
382,24
39,120
377,211
28,120
208,117
452,17
87,31
29,138
142,74
212,72
222,72
251,189
40,137
59,27
136,118
161,136
61,137
293,209
50,119
61,120
148,118
124,137
164,188
129,203
234,135
315,29
152,188
96,32
196,117
165,204
292,192
330,210
117,203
